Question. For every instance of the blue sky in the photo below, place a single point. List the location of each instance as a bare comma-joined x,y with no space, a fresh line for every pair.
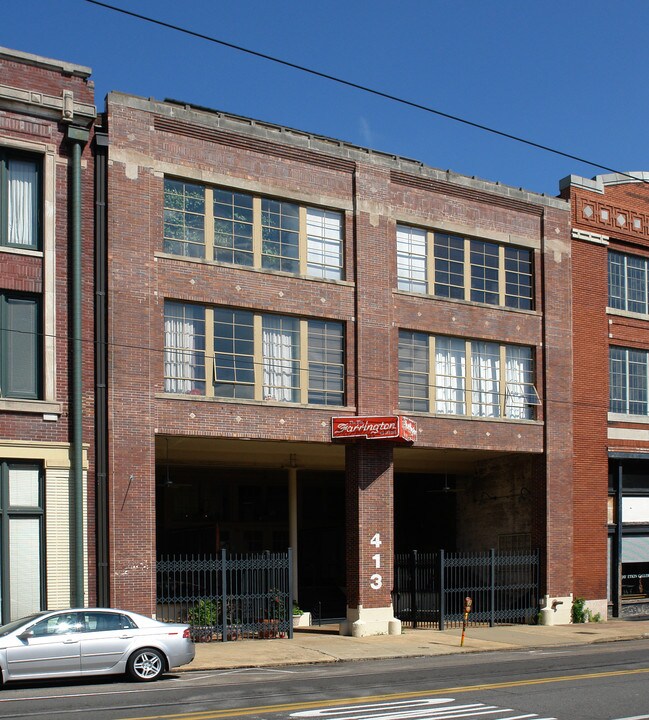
569,74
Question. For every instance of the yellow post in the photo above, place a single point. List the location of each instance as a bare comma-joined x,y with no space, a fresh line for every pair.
467,609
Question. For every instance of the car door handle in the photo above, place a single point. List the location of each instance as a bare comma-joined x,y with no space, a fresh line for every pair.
71,641
125,636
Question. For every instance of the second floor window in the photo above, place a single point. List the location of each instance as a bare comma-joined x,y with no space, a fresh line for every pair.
628,381
20,192
627,282
459,268
20,346
454,376
245,230
255,356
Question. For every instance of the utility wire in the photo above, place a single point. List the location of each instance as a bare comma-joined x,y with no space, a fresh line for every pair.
363,88
209,356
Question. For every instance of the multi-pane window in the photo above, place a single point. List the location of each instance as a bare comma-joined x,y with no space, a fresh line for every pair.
324,244
454,376
413,371
628,278
234,353
233,228
411,259
280,233
246,230
280,352
449,266
184,219
256,356
484,272
459,268
21,516
518,278
628,381
20,200
184,348
20,346
326,362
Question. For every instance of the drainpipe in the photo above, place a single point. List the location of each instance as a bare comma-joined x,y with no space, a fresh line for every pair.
101,374
78,137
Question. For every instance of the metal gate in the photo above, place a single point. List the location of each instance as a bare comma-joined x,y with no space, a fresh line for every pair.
429,588
227,597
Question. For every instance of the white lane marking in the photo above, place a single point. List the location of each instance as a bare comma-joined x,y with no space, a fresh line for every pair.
421,709
541,652
239,671
635,717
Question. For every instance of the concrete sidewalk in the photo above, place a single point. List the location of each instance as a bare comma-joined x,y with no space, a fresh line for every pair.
323,644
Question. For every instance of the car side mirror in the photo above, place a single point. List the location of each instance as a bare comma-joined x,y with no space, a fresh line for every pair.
26,635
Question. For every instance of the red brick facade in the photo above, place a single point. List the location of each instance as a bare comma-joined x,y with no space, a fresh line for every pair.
40,101
609,214
149,141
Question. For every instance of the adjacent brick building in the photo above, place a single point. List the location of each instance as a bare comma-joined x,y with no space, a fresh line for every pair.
263,280
46,334
610,240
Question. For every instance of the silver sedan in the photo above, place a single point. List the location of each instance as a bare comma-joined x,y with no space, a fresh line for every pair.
91,641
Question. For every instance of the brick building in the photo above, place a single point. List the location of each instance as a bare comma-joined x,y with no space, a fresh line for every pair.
262,281
46,355
610,221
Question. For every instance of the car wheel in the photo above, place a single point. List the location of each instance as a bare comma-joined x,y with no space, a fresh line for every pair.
145,665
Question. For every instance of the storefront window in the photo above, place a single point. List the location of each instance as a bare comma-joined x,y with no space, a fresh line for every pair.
635,580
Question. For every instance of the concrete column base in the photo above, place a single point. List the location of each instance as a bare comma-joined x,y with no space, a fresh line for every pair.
363,622
556,610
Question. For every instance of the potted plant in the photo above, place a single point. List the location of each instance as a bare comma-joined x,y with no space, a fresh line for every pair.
276,614
203,618
300,617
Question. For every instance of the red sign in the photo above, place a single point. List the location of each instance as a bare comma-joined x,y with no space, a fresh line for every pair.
374,428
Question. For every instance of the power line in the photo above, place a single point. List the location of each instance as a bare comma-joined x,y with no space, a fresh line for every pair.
363,88
208,357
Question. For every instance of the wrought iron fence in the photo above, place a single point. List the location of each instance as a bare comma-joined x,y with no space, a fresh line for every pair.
429,588
227,597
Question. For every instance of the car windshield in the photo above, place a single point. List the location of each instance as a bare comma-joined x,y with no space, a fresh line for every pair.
10,627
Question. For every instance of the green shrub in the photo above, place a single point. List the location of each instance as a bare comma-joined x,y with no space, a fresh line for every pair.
581,614
205,613
579,611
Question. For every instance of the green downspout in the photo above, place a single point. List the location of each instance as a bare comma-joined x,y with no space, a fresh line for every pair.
79,137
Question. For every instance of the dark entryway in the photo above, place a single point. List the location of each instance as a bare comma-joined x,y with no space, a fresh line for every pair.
424,512
321,544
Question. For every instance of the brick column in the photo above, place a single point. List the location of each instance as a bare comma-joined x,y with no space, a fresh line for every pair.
557,570
370,539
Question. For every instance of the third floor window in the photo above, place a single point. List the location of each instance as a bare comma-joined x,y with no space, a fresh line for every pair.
628,381
627,282
246,230
20,191
459,268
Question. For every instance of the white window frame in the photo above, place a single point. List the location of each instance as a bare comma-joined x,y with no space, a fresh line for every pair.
620,361
618,292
